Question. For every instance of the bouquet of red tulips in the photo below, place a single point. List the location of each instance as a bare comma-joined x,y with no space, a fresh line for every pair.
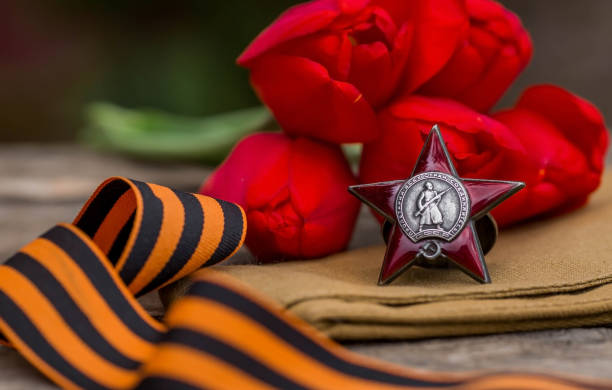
381,73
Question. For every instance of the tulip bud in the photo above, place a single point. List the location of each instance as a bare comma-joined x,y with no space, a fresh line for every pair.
566,141
294,193
480,146
325,66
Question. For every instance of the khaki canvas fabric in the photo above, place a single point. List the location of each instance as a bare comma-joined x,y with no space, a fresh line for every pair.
546,274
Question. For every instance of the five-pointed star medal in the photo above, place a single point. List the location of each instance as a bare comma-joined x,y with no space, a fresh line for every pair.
433,213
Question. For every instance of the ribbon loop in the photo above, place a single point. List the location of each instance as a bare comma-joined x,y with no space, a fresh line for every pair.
154,235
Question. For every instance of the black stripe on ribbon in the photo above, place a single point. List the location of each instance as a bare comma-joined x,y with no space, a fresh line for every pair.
281,329
234,357
232,232
122,237
27,332
102,281
148,231
101,205
190,238
61,300
161,383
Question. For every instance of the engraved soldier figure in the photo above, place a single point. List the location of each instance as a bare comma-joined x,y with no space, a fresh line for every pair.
428,207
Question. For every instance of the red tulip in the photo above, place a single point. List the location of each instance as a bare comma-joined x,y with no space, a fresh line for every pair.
566,141
325,66
480,146
494,52
294,193
552,140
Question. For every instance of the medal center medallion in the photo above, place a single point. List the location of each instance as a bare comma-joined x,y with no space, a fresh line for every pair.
432,205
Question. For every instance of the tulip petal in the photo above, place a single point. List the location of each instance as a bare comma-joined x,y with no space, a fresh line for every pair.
246,162
333,51
481,147
456,115
369,60
553,157
467,66
297,21
579,120
566,141
307,102
310,188
493,53
440,25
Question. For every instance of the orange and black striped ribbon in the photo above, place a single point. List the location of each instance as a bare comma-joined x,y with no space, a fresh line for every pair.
68,305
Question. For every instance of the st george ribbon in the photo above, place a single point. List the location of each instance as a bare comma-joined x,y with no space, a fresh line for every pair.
68,305
433,213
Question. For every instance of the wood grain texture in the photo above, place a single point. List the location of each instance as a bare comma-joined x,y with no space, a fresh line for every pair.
42,185
577,352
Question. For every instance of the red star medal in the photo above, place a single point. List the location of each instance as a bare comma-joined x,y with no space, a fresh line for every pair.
433,213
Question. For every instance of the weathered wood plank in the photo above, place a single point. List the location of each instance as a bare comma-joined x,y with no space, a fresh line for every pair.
576,352
43,185
17,374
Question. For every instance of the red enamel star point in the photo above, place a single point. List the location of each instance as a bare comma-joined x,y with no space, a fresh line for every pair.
433,213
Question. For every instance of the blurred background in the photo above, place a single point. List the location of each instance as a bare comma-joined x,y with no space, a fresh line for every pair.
179,56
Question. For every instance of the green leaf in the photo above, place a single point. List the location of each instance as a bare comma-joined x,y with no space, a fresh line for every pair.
352,152
156,135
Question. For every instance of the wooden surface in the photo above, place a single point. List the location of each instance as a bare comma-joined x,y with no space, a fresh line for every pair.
43,185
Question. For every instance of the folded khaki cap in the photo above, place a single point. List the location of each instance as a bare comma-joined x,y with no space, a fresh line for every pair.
551,273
